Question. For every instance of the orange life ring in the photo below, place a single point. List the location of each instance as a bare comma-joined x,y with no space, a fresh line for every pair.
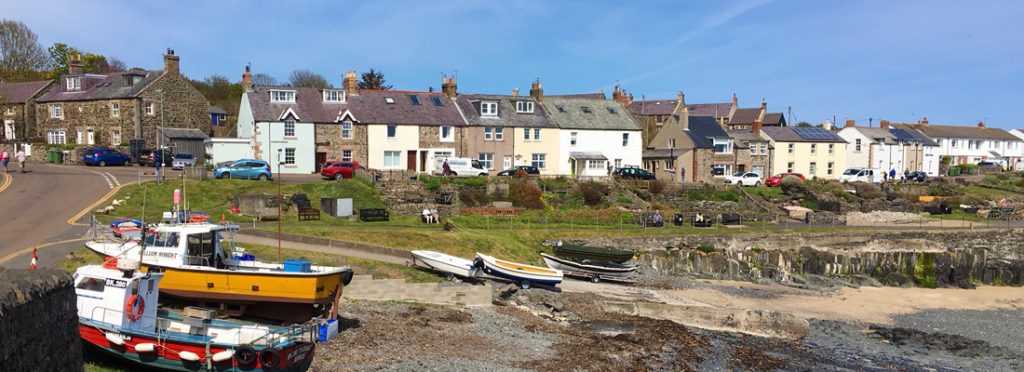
198,218
132,311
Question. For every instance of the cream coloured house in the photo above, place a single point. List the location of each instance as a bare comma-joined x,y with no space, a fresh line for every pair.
813,152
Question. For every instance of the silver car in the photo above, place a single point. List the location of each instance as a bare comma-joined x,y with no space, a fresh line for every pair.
183,160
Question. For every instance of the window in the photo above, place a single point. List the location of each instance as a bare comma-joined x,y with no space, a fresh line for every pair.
486,160
856,145
813,167
525,107
790,147
753,149
392,159
346,129
92,284
789,167
595,164
331,95
953,143
572,139
611,110
282,96
625,139
488,109
526,134
289,156
814,148
560,108
671,143
723,146
414,99
346,155
392,129
498,134
618,163
115,109
289,128
437,100
829,169
389,100
56,112
831,148
446,134
721,169
764,148
536,134
56,137
488,134
74,83
115,137
585,109
539,161
149,109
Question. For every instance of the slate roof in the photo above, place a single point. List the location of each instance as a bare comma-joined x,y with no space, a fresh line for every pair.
718,110
587,155
217,110
183,133
102,86
774,118
878,133
703,129
567,113
597,95
956,131
652,107
21,92
662,153
789,134
368,107
308,105
742,137
747,116
507,115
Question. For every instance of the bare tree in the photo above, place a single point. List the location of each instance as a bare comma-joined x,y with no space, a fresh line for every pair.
307,79
21,56
116,64
262,79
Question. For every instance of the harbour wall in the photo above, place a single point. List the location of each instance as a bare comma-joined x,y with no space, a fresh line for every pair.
38,321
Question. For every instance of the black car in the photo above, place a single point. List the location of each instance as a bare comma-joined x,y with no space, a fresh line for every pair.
917,176
633,174
529,169
146,157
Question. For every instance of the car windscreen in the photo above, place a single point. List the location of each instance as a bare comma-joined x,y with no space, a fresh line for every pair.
851,172
183,156
738,174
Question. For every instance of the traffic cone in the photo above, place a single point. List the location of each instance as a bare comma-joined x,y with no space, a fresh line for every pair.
32,266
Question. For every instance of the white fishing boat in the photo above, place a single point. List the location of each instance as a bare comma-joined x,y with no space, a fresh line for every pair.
589,269
523,274
451,265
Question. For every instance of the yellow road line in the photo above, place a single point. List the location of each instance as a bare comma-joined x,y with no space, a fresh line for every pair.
7,181
96,204
29,249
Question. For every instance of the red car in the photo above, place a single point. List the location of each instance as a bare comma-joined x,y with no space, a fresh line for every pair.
339,169
776,180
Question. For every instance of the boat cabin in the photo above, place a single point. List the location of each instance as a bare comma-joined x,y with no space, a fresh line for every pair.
199,244
124,298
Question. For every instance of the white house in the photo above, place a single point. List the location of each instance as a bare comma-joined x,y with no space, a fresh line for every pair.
1018,164
408,130
971,144
889,148
594,135
280,130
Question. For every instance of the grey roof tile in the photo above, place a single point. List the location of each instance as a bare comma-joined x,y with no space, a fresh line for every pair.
21,92
581,113
956,131
507,115
103,86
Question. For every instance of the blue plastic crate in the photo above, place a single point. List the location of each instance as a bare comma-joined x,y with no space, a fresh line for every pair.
328,330
297,266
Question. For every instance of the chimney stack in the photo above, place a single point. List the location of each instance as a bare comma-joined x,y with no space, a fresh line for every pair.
764,111
756,127
350,84
171,63
448,86
735,102
850,123
981,124
247,80
884,124
620,96
75,64
536,91
924,121
515,92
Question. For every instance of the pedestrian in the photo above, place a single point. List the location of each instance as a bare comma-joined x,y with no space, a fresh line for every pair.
5,157
21,160
892,174
445,168
906,174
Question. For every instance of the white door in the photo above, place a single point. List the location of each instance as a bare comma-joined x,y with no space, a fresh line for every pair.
92,137
507,162
78,139
9,129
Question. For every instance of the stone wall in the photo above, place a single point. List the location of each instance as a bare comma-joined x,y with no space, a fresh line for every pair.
183,107
85,115
329,141
430,137
748,161
17,115
38,322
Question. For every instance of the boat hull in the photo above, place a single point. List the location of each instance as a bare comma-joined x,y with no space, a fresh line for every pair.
517,272
444,263
589,269
594,254
297,356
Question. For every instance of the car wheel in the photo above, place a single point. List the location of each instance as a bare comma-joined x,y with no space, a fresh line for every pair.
483,174
225,175
103,163
263,177
757,184
337,176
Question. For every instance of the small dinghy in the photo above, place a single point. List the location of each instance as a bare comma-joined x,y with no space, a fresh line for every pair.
593,254
451,265
523,274
589,269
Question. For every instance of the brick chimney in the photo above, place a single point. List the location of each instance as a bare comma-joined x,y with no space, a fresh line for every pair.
350,84
981,124
515,92
756,127
536,91
75,66
735,102
448,86
620,96
171,63
850,123
923,121
247,80
680,103
884,124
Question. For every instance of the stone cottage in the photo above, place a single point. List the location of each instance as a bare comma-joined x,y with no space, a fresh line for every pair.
17,111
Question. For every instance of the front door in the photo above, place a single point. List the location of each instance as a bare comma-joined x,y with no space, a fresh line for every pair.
411,164
91,136
320,159
507,163
9,129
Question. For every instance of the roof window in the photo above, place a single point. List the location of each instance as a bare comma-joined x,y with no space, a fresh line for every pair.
437,101
414,99
389,100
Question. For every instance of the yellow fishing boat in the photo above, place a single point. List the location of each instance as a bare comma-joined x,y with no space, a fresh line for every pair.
201,263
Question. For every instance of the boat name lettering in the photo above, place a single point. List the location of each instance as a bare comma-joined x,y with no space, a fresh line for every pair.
117,283
299,353
161,254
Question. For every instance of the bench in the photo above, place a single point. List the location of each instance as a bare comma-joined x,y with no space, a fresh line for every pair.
707,222
731,219
306,214
374,214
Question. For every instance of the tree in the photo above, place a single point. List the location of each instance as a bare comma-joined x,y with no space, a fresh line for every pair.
60,57
307,79
21,56
60,60
804,124
373,80
262,79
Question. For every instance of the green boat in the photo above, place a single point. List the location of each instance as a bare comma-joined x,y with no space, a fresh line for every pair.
593,254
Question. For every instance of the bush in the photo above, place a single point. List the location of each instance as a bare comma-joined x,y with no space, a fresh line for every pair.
789,180
474,197
656,187
868,190
593,193
525,195
810,204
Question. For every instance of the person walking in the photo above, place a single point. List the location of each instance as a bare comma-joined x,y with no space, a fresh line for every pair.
21,160
5,157
892,174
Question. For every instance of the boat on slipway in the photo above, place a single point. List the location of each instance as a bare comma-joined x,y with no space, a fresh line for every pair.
118,315
593,254
447,264
201,264
591,270
524,275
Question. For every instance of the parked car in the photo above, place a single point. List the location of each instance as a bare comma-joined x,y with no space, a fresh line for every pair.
339,169
459,167
870,175
633,173
146,157
989,167
529,169
744,179
182,160
776,180
103,157
918,176
249,169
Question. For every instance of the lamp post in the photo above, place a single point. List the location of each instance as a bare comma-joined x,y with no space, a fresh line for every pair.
280,200
159,148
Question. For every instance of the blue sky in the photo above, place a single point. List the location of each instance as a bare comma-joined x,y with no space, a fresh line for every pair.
955,62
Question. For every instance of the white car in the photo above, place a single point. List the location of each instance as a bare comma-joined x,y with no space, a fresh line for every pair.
744,179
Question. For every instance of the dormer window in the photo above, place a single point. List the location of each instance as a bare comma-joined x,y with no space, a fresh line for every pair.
489,109
74,83
282,96
524,107
331,95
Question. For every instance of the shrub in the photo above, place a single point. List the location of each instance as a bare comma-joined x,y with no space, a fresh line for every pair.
525,195
474,197
593,193
656,187
789,180
810,204
706,248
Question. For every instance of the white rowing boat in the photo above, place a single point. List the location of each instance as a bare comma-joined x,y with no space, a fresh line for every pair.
444,263
519,273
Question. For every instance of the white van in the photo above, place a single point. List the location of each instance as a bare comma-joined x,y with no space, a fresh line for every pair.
870,175
463,167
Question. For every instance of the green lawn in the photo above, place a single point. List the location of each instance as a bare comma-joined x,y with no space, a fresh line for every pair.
987,192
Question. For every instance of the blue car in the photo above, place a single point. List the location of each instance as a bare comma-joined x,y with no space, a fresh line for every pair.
249,169
104,157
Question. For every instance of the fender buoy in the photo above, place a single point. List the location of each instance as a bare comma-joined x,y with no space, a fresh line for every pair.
270,357
245,355
188,356
133,307
223,355
145,347
114,338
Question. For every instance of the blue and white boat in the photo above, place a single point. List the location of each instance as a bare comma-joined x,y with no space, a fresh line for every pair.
523,274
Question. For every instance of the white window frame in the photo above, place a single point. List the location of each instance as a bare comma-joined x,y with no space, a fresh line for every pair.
618,163
289,156
115,109
346,155
499,133
831,165
486,160
540,161
831,148
595,164
572,138
536,134
395,157
150,110
488,135
753,149
74,83
488,109
764,148
856,145
451,133
524,107
346,129
334,95
115,137
814,148
812,168
282,96
56,137
727,142
56,111
289,128
791,148
790,166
